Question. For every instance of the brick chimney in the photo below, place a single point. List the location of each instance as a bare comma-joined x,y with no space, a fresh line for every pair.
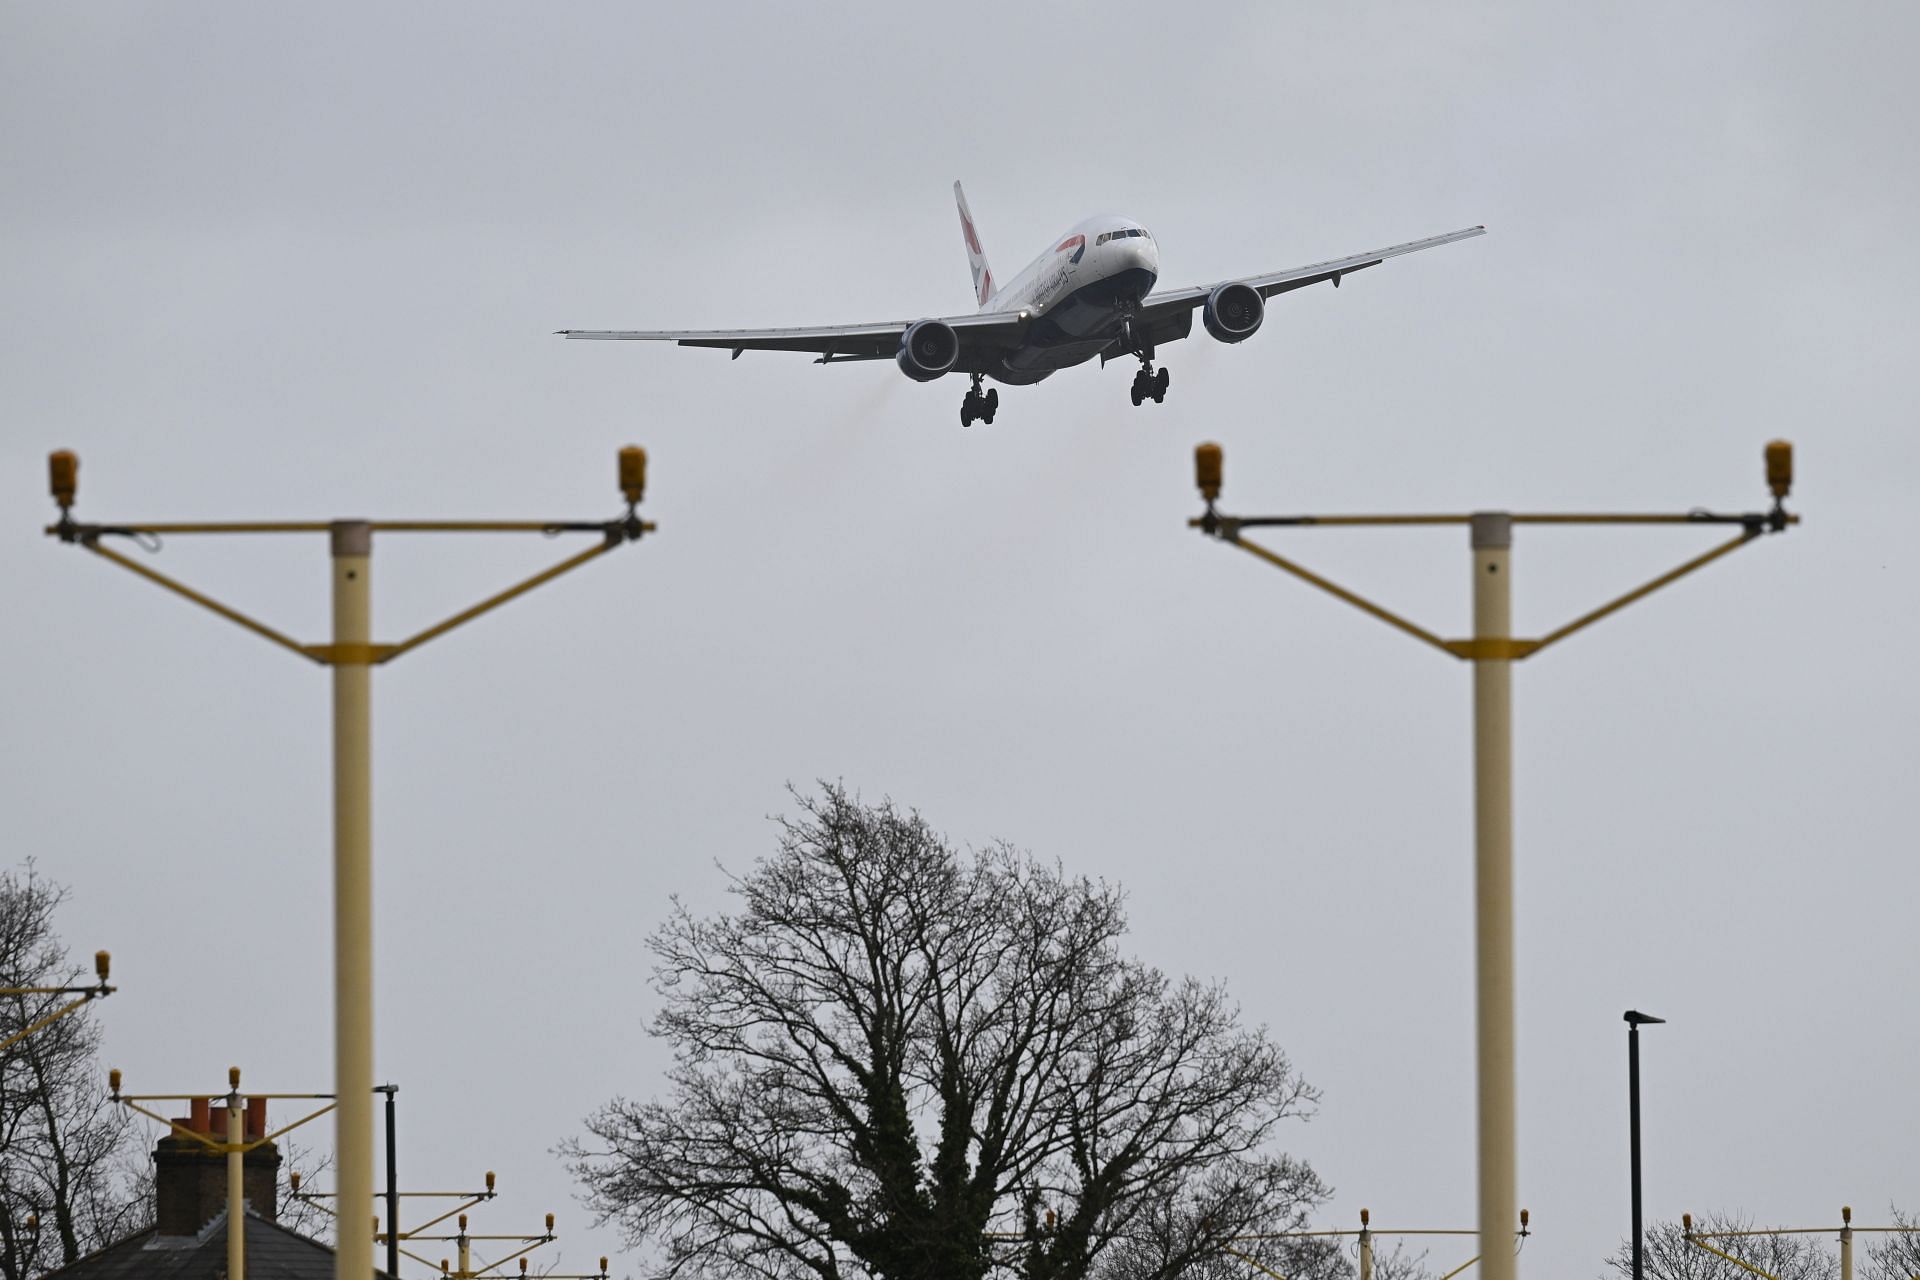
190,1178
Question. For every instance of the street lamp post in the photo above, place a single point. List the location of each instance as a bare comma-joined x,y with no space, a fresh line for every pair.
393,1187
1636,1020
352,654
1493,650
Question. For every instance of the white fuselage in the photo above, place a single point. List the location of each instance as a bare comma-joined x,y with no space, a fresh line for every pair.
1078,294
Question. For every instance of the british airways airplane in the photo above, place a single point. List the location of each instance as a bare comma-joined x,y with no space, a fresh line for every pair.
1090,295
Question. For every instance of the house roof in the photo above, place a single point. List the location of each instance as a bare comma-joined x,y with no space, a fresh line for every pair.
273,1253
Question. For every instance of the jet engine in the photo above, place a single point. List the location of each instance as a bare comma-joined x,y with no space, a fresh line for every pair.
929,349
1233,312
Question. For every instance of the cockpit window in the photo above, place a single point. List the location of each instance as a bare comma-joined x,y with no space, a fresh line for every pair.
1122,234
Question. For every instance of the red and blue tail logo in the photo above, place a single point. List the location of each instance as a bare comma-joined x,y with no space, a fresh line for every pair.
976,257
1076,243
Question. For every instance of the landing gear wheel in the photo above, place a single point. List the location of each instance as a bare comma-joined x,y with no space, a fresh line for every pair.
1145,386
1160,382
979,406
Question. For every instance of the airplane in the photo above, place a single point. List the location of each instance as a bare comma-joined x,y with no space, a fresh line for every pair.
1090,295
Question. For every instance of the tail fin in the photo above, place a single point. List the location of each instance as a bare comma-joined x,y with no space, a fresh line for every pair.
976,257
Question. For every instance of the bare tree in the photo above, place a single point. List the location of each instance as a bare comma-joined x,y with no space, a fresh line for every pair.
1895,1256
897,1061
1669,1256
301,1213
63,1144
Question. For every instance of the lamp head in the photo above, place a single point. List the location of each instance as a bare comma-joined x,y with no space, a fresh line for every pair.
1639,1019
102,964
549,1224
63,476
633,473
293,1180
1365,1217
489,1182
1779,467
1207,463
233,1077
113,1081
463,1224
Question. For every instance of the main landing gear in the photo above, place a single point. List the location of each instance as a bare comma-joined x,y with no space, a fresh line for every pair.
1148,385
979,406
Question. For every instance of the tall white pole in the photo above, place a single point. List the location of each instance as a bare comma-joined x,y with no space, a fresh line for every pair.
236,1184
1846,1243
1492,539
1366,1247
352,893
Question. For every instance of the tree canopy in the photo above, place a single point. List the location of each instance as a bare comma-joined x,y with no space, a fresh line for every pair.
899,1060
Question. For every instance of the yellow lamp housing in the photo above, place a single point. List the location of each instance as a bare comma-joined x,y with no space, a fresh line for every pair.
1779,467
102,963
463,1224
113,1081
63,474
523,1266
603,1266
549,1224
633,472
1207,460
293,1181
1365,1217
233,1077
489,1182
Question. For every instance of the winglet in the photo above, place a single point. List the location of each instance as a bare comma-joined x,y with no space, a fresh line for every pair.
976,256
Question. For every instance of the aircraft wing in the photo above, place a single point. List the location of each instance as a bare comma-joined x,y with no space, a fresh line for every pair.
1159,304
832,343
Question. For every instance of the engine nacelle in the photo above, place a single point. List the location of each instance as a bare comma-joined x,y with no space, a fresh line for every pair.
1233,312
927,350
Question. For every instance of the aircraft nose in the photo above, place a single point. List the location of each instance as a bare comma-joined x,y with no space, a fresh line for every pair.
1139,253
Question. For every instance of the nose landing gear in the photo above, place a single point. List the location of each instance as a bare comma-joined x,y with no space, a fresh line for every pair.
979,406
1147,385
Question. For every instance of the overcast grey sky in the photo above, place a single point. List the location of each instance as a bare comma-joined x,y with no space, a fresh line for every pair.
304,261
